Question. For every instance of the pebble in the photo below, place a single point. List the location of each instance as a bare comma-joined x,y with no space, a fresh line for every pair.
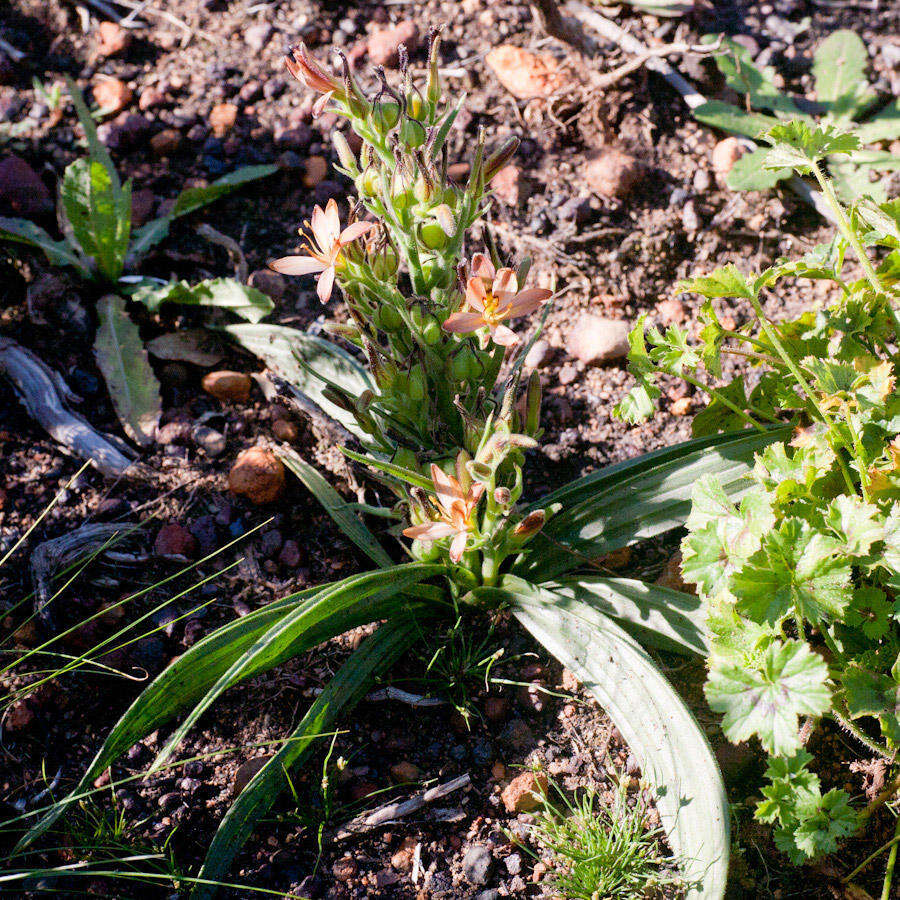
22,192
272,284
613,173
113,39
681,407
170,801
690,220
284,430
246,771
150,98
175,540
228,386
671,310
315,170
523,793
177,431
290,555
596,339
203,528
257,36
702,182
384,45
538,354
524,74
507,184
258,475
143,204
477,863
18,717
210,441
402,858
405,771
345,868
567,374
725,154
112,95
513,863
222,118
127,130
166,143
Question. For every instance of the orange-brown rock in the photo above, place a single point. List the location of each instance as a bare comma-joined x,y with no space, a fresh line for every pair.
258,475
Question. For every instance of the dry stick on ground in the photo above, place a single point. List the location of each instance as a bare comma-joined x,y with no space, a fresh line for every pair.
14,53
232,247
692,97
395,693
562,28
391,812
44,394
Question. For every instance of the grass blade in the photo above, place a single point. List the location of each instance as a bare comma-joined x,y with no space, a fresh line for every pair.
377,654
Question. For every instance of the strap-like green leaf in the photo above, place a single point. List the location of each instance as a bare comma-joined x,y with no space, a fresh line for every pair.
376,655
184,681
122,359
279,348
335,609
625,503
672,750
733,119
336,507
417,479
58,253
247,302
196,197
656,615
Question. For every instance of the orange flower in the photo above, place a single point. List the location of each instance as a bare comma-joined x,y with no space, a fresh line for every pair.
324,248
492,297
455,508
305,68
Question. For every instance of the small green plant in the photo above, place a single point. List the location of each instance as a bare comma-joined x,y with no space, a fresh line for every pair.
436,424
599,849
843,98
800,580
99,243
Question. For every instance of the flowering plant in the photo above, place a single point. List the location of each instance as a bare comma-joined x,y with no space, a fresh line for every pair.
440,413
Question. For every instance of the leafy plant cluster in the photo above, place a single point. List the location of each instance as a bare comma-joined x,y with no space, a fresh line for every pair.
95,217
432,395
800,578
843,98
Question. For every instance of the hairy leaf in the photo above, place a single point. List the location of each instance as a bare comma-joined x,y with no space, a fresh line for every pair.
122,359
797,145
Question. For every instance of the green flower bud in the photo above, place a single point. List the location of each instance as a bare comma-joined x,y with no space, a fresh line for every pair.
433,236
345,154
369,183
385,115
384,264
388,319
533,404
463,364
424,551
412,132
432,332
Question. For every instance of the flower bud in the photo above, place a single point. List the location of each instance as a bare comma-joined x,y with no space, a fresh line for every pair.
385,115
463,458
502,496
533,404
531,524
432,236
384,266
499,158
412,132
345,154
433,87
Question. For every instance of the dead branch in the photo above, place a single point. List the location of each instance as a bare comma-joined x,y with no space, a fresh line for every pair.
564,29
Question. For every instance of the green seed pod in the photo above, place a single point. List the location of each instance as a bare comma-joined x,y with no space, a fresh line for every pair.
424,551
412,133
345,154
418,386
431,332
384,264
385,115
388,319
368,183
433,236
463,364
533,404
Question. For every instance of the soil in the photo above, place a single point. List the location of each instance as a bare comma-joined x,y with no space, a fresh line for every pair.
614,257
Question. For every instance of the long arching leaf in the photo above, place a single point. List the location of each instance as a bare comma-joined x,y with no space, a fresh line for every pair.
183,682
377,654
347,604
336,507
672,750
613,509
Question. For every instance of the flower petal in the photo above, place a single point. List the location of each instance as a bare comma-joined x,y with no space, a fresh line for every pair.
458,546
462,322
447,489
354,231
528,301
297,265
482,267
504,336
321,103
475,294
326,284
505,284
430,531
332,220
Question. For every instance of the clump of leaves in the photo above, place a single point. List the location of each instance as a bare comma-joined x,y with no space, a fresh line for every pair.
800,579
99,243
602,849
843,98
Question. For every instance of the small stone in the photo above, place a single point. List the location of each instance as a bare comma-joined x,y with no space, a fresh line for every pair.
284,430
567,374
113,39
345,868
671,311
524,74
702,182
290,555
112,95
725,154
19,716
402,858
596,339
228,386
569,681
405,771
170,800
166,143
175,540
257,36
124,132
690,219
513,863
507,185
384,45
613,173
496,708
258,475
143,203
538,354
176,432
22,192
222,118
681,406
315,170
210,441
524,792
150,98
477,863
246,771
272,284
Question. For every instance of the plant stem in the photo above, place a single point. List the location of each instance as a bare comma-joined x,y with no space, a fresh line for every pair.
892,861
724,401
862,737
874,855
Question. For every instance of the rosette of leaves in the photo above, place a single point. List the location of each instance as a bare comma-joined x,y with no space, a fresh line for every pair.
843,98
459,481
99,242
800,579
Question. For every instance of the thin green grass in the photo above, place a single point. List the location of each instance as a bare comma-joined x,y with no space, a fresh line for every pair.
599,851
